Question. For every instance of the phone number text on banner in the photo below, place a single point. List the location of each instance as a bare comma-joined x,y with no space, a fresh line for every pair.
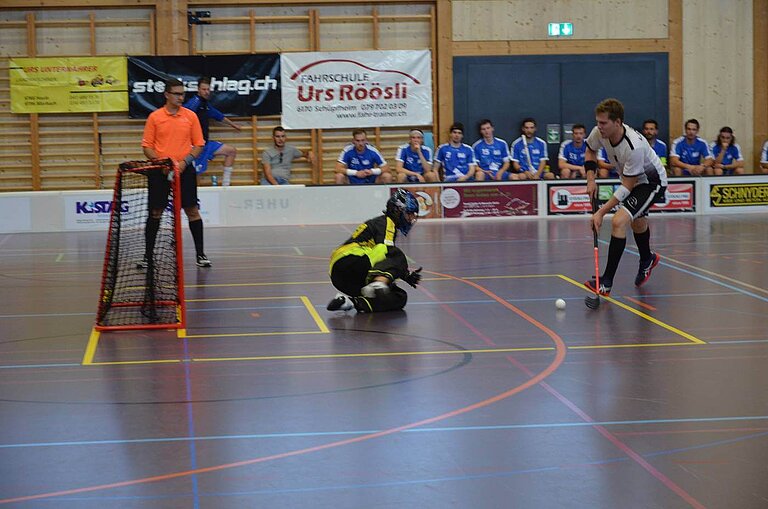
68,85
356,89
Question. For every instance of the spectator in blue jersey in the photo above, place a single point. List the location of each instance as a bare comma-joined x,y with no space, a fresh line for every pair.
206,112
690,155
651,131
456,159
571,157
413,160
605,169
764,158
727,154
361,163
529,154
491,154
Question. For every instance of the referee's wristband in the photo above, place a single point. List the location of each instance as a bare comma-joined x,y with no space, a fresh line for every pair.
621,193
590,166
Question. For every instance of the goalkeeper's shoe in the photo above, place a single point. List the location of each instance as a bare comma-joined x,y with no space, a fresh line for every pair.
370,290
340,303
203,261
605,286
646,266
142,264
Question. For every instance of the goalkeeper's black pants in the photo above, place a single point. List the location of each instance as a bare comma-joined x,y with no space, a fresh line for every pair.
352,272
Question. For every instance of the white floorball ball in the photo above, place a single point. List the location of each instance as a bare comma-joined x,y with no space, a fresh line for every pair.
560,304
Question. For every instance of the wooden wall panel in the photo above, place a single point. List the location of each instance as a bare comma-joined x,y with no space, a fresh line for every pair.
760,79
717,68
523,20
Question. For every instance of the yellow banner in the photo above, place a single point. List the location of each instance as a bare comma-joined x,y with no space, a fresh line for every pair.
68,84
738,195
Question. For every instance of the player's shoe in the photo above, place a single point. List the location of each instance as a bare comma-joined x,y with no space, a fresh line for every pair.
605,286
372,288
203,261
142,264
646,266
340,303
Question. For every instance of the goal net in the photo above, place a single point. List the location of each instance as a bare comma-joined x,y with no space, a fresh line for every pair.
142,281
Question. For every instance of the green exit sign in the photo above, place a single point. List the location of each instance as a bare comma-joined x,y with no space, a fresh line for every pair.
560,29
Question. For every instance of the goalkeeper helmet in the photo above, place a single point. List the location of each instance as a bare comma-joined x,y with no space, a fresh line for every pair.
402,208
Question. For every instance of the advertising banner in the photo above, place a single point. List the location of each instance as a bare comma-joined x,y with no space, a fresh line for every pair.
753,194
573,198
498,200
241,85
356,89
68,85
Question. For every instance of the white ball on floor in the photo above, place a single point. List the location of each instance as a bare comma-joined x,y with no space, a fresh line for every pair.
560,304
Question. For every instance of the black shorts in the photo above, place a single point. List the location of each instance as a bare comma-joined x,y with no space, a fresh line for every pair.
639,201
159,187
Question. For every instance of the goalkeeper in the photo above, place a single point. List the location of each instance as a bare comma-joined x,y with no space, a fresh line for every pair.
364,269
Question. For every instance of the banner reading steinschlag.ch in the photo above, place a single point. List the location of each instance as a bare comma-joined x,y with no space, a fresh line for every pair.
356,89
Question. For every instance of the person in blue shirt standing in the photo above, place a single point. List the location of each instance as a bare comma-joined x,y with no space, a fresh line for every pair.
413,160
651,131
690,155
491,153
529,154
571,156
727,154
361,163
457,159
206,112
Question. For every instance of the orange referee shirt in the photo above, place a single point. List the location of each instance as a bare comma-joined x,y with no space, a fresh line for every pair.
172,135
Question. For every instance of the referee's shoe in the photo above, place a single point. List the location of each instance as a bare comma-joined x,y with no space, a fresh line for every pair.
646,266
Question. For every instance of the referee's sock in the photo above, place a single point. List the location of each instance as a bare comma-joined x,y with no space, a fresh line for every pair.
643,241
615,250
150,235
196,227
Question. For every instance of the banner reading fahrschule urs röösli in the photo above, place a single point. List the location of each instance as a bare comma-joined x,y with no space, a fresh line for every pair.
356,89
241,85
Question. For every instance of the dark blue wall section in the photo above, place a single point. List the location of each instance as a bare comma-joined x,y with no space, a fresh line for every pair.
558,89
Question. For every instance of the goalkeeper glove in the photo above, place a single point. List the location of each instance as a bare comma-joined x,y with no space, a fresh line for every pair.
413,278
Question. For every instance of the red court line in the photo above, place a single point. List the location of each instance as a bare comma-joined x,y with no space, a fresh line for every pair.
584,416
560,350
641,304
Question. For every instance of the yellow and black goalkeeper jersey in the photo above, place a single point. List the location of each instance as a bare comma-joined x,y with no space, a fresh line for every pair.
371,239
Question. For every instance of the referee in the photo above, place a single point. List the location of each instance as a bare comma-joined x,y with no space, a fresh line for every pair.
173,132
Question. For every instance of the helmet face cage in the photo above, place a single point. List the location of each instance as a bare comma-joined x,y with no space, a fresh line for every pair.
399,206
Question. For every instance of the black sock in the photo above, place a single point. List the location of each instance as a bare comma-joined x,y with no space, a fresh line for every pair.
150,235
196,227
615,250
643,241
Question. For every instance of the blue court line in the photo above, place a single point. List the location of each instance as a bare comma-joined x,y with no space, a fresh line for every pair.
191,427
61,365
701,276
579,424
423,303
389,484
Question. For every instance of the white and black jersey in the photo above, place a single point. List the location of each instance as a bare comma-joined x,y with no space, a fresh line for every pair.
632,156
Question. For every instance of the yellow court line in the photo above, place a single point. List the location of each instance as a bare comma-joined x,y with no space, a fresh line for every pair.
111,363
246,334
372,354
313,313
243,298
651,319
90,349
736,281
637,345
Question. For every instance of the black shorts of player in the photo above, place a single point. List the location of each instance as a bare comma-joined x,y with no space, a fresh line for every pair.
160,187
639,201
